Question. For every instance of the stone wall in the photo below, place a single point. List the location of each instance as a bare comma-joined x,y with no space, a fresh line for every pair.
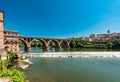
1,32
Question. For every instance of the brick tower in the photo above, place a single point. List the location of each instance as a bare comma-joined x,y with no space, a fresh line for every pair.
1,32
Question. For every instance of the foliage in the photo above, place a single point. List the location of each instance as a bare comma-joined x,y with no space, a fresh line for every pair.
3,64
100,46
51,44
73,44
109,45
79,42
116,44
0,56
36,43
79,45
11,57
13,74
21,44
83,42
0,64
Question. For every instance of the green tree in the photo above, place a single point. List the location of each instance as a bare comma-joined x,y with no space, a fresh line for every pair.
21,44
109,45
116,44
51,44
73,44
79,45
36,43
11,57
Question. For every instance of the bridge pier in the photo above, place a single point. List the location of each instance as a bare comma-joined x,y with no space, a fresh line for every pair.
27,49
45,48
57,48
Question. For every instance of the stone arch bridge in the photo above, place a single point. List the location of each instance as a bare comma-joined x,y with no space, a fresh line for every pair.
12,42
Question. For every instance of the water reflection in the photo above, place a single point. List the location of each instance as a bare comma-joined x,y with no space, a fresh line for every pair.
74,70
39,49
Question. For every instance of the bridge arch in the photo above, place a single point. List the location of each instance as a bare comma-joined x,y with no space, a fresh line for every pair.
72,43
25,47
44,44
56,42
23,41
64,43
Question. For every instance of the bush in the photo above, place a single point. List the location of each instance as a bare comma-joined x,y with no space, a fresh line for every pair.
80,45
109,45
3,64
13,74
100,46
0,65
89,46
116,44
0,56
11,57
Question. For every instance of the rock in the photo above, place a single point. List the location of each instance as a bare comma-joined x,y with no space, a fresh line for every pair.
5,80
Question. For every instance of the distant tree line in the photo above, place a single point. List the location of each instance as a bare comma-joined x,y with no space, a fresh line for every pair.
82,42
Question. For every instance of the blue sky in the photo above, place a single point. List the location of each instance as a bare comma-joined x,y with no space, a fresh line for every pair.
61,18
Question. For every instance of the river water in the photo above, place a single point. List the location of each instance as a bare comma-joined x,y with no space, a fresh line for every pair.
38,50
73,70
90,69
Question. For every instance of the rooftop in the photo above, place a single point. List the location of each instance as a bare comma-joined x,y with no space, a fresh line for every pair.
11,31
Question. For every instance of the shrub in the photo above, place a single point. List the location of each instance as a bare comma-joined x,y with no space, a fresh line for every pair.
3,64
0,56
11,57
13,74
100,46
0,65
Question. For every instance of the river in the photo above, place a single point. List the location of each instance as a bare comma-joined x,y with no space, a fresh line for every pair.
38,49
73,70
92,69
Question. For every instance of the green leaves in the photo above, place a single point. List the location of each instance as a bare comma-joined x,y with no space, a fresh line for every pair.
11,57
109,45
13,74
51,44
36,43
21,44
116,44
0,56
83,42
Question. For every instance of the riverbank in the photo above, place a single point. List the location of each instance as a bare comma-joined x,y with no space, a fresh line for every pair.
23,64
73,54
